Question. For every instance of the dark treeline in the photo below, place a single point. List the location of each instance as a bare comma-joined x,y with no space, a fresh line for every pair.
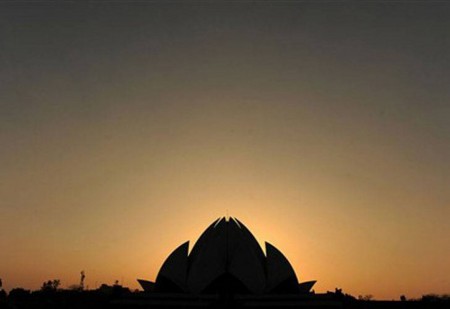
51,296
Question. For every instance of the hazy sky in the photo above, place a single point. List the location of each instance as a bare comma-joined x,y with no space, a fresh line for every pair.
126,128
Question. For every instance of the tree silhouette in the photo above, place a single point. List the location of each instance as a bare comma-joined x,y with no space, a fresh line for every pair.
19,293
51,285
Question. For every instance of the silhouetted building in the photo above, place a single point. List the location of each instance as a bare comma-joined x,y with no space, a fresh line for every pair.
227,260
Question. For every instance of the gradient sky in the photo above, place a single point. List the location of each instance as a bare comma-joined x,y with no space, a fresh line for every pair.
126,128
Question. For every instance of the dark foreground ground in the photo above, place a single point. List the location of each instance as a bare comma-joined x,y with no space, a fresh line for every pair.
96,300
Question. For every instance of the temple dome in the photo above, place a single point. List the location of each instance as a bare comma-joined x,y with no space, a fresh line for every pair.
226,259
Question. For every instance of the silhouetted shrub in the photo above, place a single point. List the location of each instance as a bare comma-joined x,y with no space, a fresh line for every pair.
19,294
365,297
50,285
436,298
2,295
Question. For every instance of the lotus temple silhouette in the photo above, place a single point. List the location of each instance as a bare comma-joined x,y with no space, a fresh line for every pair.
227,264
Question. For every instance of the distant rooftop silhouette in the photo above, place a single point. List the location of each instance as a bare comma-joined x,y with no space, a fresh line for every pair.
227,259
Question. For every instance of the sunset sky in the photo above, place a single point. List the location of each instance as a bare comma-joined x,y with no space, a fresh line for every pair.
127,127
